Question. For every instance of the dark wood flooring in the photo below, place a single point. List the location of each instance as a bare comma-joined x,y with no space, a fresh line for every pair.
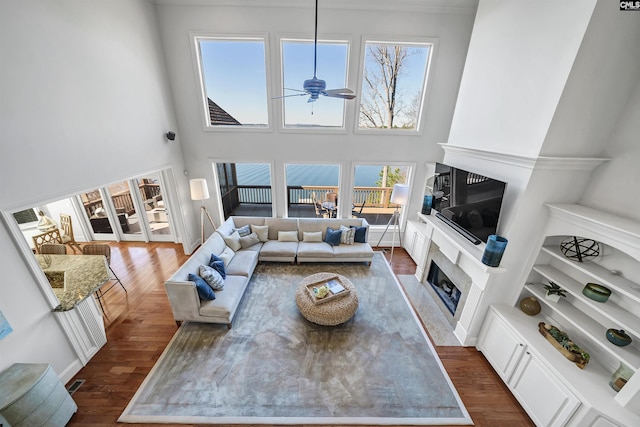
139,325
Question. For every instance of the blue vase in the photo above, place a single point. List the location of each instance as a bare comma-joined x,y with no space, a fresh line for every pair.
426,204
494,250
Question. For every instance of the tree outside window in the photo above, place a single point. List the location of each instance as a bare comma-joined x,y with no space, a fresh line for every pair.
393,85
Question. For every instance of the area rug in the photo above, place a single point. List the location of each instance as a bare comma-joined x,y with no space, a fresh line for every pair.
440,330
275,367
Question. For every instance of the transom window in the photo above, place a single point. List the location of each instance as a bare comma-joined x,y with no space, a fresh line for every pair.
297,66
234,81
393,85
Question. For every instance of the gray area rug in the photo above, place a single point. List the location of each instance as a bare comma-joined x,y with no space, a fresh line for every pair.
275,367
440,330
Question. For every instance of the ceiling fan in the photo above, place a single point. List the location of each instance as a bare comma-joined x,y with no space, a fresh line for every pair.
315,87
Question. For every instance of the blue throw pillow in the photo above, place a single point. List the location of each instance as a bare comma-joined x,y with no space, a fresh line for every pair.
218,264
361,234
204,290
245,230
333,236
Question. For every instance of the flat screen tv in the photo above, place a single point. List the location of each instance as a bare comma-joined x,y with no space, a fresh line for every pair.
470,203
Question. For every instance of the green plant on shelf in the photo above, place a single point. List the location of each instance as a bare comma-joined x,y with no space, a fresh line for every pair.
565,342
553,289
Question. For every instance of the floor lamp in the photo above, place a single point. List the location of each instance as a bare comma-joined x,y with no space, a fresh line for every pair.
399,197
200,191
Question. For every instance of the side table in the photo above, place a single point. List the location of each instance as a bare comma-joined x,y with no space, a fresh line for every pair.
32,395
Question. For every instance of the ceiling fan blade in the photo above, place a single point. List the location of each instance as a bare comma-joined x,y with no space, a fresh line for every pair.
288,96
295,90
330,92
340,95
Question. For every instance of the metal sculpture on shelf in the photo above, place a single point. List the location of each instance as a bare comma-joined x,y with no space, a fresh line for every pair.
580,249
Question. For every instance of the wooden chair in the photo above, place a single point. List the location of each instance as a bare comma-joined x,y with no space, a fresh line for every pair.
67,233
52,236
53,249
103,249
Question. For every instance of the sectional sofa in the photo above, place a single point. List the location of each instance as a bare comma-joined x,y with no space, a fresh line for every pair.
242,242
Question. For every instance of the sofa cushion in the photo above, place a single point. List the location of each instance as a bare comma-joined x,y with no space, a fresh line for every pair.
276,249
312,236
227,255
245,230
332,236
280,224
249,240
314,250
243,263
357,250
226,299
217,264
204,290
233,241
212,277
347,235
262,231
360,234
287,236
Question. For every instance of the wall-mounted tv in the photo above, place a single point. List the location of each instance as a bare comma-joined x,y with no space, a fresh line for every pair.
467,201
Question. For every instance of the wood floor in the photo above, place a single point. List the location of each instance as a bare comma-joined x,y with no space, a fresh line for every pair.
139,325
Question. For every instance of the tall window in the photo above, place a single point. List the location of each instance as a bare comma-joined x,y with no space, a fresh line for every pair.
297,66
393,85
312,190
234,81
372,191
245,189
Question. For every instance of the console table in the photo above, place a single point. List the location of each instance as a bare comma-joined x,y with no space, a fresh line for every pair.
32,395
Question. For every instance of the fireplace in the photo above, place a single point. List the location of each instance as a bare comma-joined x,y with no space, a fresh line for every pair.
443,286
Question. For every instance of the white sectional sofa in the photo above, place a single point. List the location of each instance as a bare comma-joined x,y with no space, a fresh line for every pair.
269,239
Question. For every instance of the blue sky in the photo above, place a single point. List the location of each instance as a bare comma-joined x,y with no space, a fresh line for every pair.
235,78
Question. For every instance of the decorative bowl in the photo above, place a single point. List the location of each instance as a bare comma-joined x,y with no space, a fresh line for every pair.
530,306
596,292
618,337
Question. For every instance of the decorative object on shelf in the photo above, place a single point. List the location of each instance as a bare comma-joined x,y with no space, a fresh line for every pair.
580,249
494,250
560,340
427,202
618,337
530,306
596,292
554,292
620,377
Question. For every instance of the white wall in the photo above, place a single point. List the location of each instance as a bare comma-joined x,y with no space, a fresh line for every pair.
520,56
200,147
84,102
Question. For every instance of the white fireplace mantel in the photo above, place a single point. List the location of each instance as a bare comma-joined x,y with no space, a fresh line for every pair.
468,257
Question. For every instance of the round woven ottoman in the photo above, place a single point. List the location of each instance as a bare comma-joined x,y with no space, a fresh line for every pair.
330,313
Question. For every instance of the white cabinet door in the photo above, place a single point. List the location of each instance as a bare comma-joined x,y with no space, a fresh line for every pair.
410,238
502,348
547,401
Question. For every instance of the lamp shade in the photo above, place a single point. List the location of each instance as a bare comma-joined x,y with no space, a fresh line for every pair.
199,189
400,194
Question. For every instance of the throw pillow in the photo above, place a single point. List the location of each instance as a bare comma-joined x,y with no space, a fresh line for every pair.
312,236
262,231
360,235
245,230
287,236
249,240
233,241
212,277
204,290
227,255
217,264
333,236
347,235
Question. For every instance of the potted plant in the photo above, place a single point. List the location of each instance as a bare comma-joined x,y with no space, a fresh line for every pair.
554,292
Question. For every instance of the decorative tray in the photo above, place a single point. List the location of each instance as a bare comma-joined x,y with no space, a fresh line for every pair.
560,340
330,295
